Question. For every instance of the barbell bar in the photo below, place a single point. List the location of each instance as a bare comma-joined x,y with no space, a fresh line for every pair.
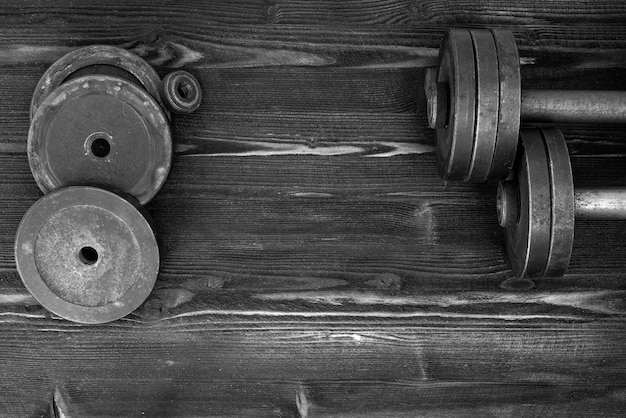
537,205
476,104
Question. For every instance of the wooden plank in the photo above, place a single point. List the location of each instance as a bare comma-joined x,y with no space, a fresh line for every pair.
259,366
273,46
302,106
327,212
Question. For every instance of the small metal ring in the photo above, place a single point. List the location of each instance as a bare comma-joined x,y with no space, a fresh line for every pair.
181,92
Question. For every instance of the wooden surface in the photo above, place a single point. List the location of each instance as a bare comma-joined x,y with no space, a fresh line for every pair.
313,262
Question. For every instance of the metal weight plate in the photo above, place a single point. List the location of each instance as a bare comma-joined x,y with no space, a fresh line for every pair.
87,254
510,104
528,241
562,182
101,131
436,100
97,59
182,92
487,105
455,142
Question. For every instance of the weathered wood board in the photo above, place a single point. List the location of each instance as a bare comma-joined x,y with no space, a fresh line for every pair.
313,262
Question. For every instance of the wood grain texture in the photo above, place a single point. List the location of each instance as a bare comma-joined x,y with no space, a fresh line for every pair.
259,366
313,262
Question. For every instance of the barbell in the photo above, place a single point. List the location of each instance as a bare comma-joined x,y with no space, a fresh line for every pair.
475,101
537,205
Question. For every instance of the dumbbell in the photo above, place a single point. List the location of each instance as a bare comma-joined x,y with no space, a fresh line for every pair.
87,254
99,117
537,205
475,102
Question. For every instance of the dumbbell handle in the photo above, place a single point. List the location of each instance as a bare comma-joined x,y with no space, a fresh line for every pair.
573,106
589,203
540,106
605,203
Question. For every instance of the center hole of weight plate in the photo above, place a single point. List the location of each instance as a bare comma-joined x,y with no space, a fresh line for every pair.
88,255
184,90
100,147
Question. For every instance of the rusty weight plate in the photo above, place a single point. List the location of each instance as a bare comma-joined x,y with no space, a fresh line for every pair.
102,131
181,92
510,104
455,141
436,100
528,240
562,188
87,254
97,59
487,105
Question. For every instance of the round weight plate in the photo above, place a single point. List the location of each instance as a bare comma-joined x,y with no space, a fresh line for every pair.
86,254
487,105
455,142
528,241
100,131
181,92
562,182
510,104
94,56
436,100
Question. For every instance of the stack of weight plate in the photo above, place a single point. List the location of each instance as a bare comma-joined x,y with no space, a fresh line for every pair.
99,146
476,103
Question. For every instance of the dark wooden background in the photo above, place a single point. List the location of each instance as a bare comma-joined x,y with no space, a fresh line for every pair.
313,262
